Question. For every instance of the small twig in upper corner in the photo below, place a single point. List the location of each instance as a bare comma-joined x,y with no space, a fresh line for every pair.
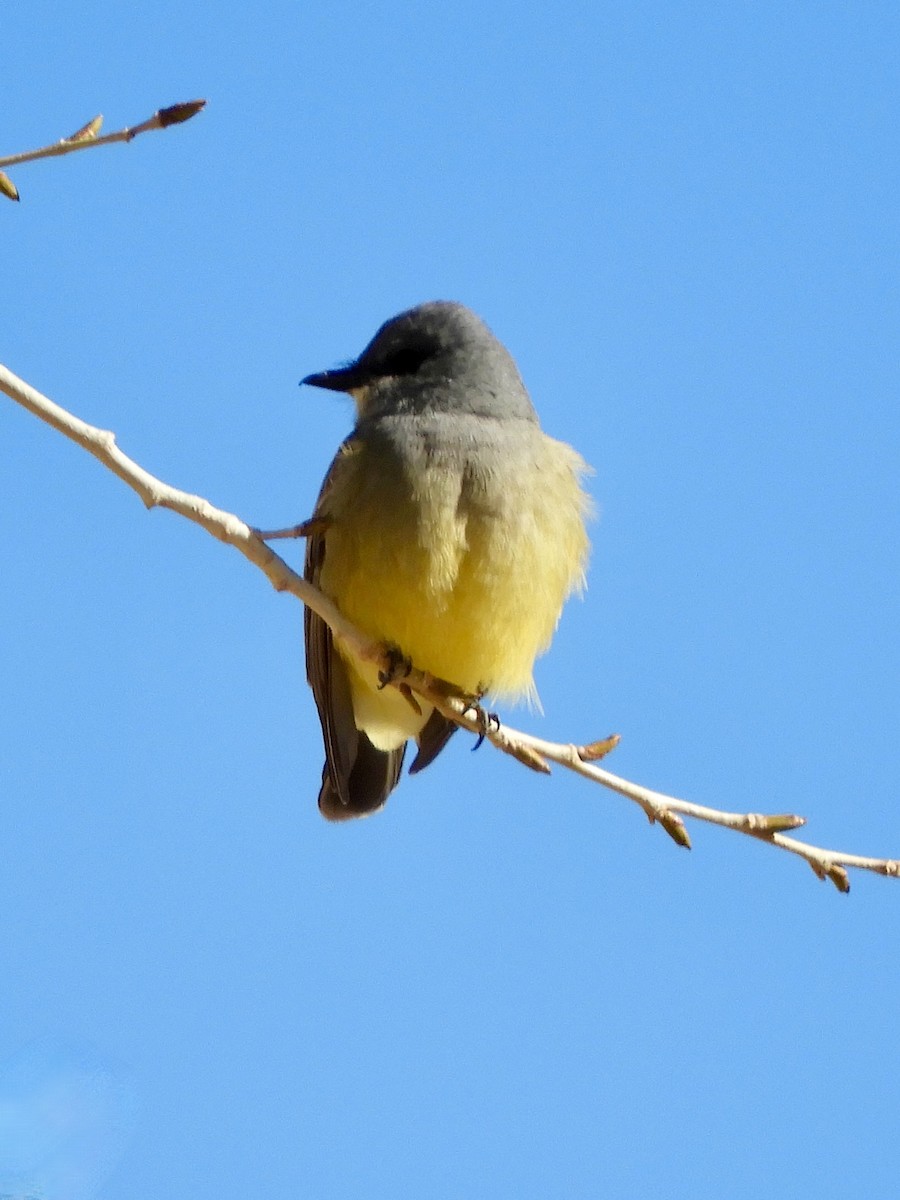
87,136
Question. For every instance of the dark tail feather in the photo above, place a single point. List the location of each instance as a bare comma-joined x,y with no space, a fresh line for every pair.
371,780
436,733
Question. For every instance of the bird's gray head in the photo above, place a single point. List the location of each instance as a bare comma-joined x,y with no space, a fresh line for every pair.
436,357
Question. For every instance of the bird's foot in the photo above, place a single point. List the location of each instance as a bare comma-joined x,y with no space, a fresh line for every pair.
395,670
396,666
487,722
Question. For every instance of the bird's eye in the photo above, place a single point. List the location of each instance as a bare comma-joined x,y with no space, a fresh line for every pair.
406,360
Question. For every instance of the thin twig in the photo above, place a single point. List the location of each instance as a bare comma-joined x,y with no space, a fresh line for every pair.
155,494
534,752
87,136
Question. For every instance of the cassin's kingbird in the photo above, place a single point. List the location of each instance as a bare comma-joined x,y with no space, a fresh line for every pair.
449,526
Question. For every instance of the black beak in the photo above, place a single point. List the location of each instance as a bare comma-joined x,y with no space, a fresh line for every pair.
342,379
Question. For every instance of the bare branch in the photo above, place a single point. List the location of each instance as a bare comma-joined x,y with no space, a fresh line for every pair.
156,494
87,136
534,752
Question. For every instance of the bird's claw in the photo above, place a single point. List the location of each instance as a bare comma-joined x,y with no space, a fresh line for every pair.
397,666
489,722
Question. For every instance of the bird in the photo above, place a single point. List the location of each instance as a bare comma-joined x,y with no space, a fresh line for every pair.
449,528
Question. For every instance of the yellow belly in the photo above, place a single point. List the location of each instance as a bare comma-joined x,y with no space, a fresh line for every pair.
464,572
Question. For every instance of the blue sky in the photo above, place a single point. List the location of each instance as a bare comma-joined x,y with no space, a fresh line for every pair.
682,220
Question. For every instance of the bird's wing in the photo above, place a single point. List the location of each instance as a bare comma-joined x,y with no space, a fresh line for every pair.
357,778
